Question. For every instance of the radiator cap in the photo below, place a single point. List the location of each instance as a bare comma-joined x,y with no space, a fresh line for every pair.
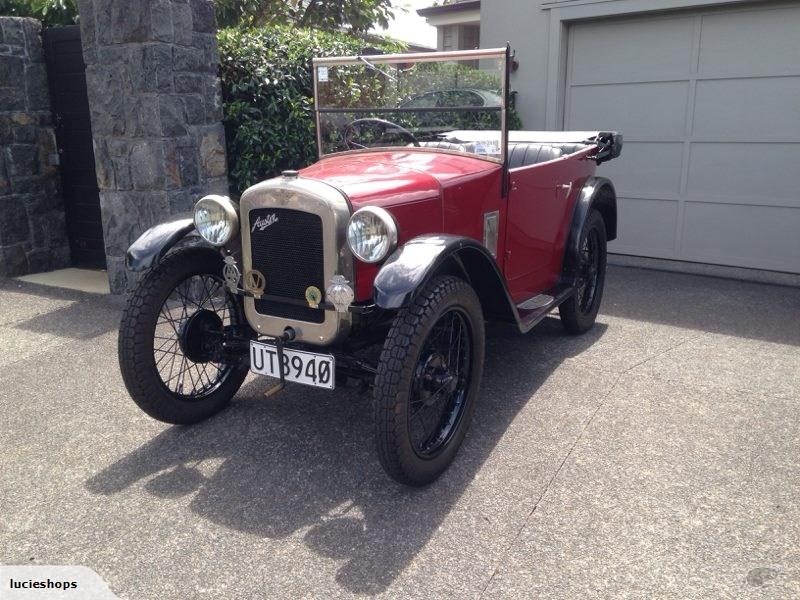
290,174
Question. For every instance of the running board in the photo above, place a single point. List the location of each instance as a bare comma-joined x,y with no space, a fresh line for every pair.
533,310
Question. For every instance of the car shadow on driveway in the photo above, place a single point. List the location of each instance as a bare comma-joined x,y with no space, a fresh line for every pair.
303,461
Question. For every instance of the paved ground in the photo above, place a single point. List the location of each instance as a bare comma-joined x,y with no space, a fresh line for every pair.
657,456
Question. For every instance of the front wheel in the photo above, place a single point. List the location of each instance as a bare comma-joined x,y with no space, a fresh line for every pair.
170,338
579,312
427,381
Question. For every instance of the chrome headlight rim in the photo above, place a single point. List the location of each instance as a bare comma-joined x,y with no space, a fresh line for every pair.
390,227
231,217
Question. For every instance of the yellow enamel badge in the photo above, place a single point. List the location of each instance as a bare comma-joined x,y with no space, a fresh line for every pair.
313,296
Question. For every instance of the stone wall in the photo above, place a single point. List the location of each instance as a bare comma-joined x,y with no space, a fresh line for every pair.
32,227
156,112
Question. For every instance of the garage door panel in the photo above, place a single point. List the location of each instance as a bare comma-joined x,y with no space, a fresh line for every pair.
766,43
649,168
741,235
760,109
640,110
646,227
709,104
665,44
745,173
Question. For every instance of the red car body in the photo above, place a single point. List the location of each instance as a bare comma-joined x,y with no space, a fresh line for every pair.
431,191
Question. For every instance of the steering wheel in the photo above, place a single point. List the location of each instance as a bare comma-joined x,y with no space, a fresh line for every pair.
350,132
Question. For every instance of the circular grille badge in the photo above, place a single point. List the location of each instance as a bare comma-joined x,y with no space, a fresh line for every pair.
231,272
255,282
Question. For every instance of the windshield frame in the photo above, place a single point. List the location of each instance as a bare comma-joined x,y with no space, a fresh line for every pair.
376,60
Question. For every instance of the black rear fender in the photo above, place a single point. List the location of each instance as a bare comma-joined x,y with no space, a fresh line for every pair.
597,193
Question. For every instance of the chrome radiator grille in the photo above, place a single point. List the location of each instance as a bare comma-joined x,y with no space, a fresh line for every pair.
289,252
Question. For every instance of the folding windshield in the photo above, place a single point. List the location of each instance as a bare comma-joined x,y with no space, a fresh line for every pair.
412,100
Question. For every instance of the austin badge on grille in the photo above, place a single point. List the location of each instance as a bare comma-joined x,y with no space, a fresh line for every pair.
231,273
339,293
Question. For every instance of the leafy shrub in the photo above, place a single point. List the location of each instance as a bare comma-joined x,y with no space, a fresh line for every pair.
267,92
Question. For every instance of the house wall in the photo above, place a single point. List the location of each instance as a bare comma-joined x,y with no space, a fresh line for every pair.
32,227
537,31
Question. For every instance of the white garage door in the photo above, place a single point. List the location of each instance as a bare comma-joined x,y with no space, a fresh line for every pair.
709,104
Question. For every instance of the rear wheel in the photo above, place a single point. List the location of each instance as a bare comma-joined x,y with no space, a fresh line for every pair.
171,334
427,382
579,312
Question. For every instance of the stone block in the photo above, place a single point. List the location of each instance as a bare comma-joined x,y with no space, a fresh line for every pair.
14,227
26,185
25,134
117,275
151,68
206,44
13,260
194,109
13,33
213,95
12,71
190,83
203,17
106,100
212,152
47,150
182,23
5,184
12,98
147,165
142,116
181,203
186,59
189,166
22,160
32,29
130,21
126,215
37,89
161,16
88,30
171,113
103,167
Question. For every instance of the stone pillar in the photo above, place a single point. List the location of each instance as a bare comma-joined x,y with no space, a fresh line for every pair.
156,112
32,226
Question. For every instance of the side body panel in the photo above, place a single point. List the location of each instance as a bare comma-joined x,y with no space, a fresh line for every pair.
540,206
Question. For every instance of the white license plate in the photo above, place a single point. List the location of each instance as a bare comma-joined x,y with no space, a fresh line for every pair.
299,366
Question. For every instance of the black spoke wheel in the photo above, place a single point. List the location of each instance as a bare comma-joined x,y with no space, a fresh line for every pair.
427,381
441,381
170,339
579,312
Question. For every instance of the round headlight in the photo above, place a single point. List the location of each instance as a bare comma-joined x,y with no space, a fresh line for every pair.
371,234
216,220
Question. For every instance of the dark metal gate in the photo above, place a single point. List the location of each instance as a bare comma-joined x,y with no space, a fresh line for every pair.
66,73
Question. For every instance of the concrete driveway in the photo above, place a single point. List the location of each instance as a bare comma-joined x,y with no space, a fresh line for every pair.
657,456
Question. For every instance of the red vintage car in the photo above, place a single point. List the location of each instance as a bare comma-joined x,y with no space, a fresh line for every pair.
380,263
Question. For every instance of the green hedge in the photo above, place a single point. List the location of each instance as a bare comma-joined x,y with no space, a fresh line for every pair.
268,98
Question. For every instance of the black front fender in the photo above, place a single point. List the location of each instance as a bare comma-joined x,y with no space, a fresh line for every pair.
154,243
413,265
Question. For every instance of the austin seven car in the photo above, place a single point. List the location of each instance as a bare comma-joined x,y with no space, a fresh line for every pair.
378,265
